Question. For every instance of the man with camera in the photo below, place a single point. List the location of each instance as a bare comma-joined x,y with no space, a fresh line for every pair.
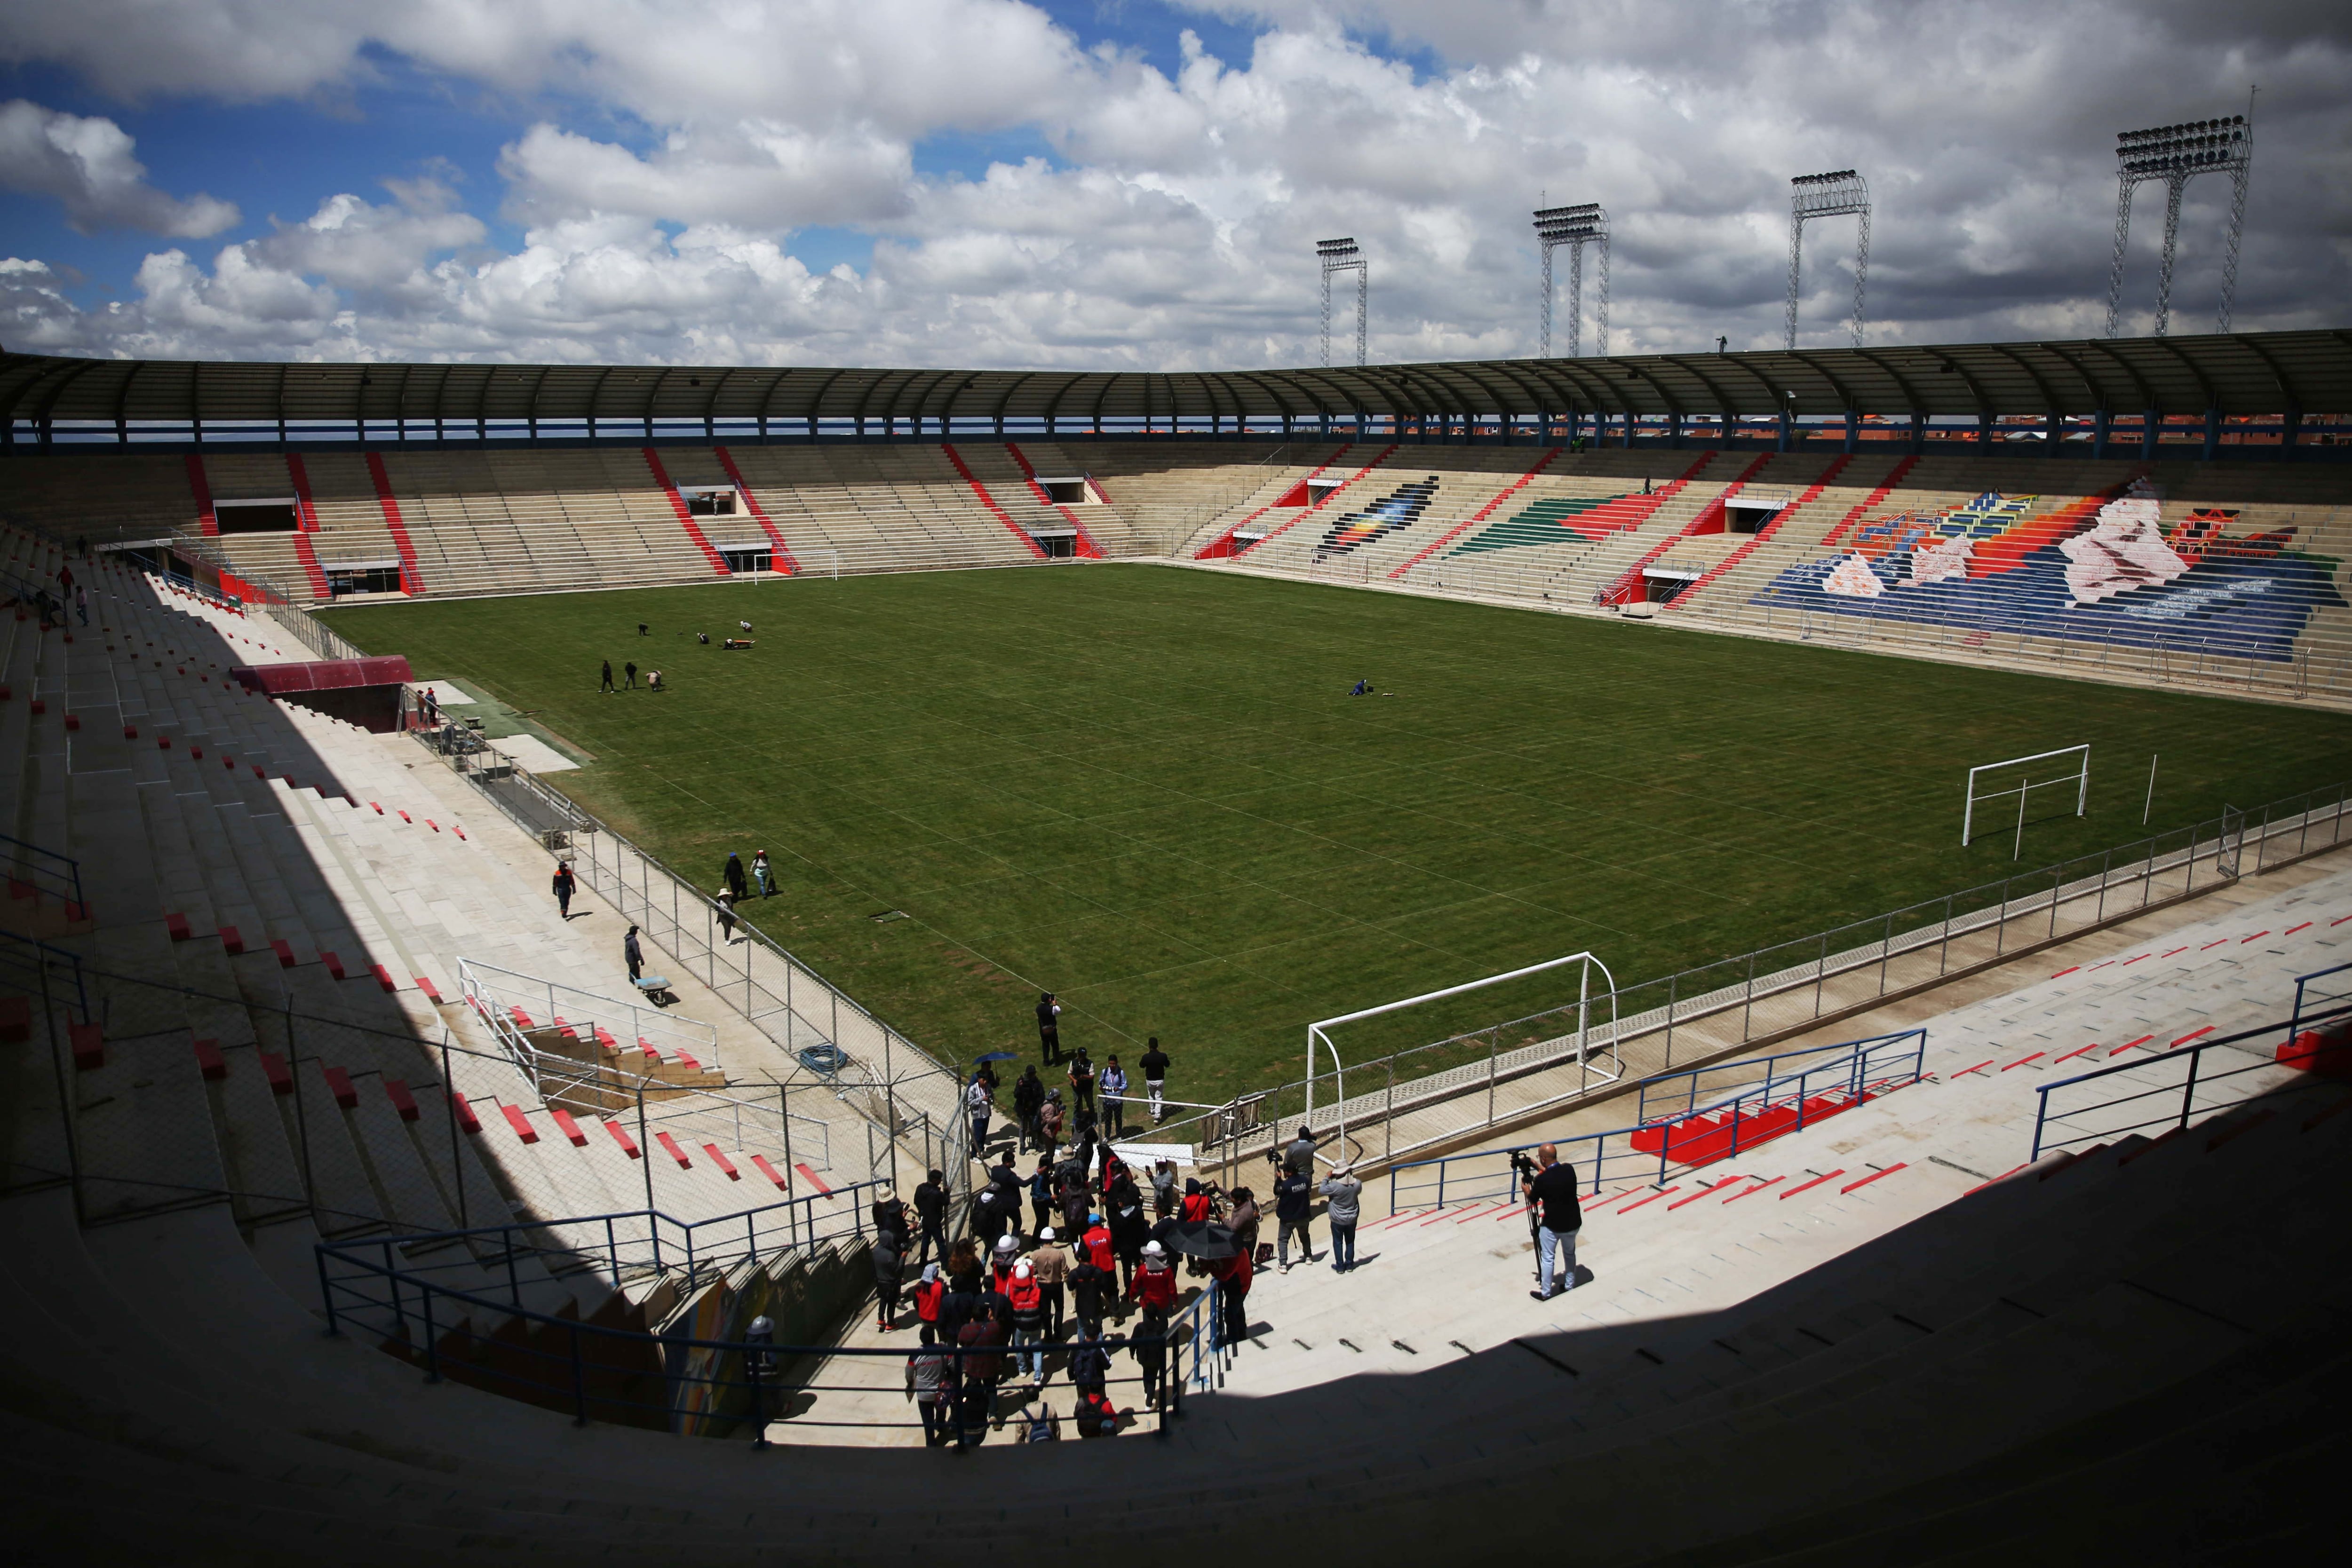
1550,1189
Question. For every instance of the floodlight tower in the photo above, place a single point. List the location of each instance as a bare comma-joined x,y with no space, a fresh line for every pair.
1344,255
1828,195
2176,155
1574,227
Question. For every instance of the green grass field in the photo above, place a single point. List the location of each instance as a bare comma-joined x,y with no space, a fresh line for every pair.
1143,788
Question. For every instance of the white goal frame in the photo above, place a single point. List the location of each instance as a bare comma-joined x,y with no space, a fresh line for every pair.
815,563
2082,793
1317,1031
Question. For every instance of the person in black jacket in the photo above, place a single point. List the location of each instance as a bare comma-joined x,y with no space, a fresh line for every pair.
1130,1229
1049,1031
565,885
733,875
1089,1290
1153,1064
931,1208
891,1217
634,954
1552,1189
1028,1099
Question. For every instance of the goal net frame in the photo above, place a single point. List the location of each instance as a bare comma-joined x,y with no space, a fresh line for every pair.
1318,1033
816,561
2082,777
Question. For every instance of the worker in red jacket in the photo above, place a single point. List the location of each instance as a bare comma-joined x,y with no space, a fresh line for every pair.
1154,1284
1233,1277
1100,1250
928,1295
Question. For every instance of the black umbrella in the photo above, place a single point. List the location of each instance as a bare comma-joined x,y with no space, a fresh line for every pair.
1202,1238
997,1056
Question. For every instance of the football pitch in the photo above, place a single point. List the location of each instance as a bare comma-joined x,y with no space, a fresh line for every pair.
1146,788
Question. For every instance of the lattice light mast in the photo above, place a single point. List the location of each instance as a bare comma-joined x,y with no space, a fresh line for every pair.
1345,255
1830,195
1574,227
2176,155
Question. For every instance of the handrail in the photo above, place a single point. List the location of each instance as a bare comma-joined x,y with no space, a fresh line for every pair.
31,956
704,1381
1652,1145
26,866
2194,1056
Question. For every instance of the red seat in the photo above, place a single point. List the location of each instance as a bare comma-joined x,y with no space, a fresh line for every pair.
520,1123
402,1100
88,1046
339,1084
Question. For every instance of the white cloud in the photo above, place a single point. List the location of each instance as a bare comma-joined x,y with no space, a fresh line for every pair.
86,163
681,147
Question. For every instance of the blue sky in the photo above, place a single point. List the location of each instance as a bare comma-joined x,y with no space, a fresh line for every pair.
1053,184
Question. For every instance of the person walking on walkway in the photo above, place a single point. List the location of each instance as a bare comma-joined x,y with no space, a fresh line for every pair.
1028,1299
1154,1065
1129,1229
931,1210
564,887
885,1281
1294,1213
1028,1099
634,954
731,877
983,1336
1553,1189
608,677
1343,1196
760,873
1050,1268
930,1384
1114,1093
726,902
1049,1026
1089,1288
931,1294
629,671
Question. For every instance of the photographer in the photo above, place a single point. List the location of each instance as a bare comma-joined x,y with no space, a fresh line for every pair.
1550,1191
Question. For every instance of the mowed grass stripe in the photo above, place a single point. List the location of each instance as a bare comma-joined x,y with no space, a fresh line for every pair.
1144,789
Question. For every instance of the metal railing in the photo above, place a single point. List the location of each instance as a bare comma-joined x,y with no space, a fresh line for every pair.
1782,1101
499,996
708,1386
2168,1089
40,870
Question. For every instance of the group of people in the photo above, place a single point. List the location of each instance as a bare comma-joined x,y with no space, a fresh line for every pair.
997,1303
629,677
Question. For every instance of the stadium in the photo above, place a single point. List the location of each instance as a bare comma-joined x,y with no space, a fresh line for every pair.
537,891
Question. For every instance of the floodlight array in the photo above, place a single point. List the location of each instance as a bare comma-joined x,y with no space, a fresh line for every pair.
2175,154
1344,255
1585,224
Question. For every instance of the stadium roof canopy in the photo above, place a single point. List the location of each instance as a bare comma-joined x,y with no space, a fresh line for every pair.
2234,373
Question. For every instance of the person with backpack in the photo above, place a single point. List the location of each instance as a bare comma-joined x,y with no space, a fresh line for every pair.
1293,1215
931,1384
1028,1319
1089,1361
1039,1423
1089,1287
1075,1205
1096,1416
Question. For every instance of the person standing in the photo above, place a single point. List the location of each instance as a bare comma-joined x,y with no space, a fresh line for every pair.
931,1208
1553,1189
931,1295
978,1105
564,887
1154,1064
1163,1188
1299,1155
1082,1086
885,1281
1343,1197
1089,1361
81,605
1051,1267
1028,1299
1233,1276
890,1216
731,877
1090,1285
1041,1197
1293,1215
634,954
981,1338
1049,1026
1028,1099
1244,1221
1114,1093
1129,1230
930,1384
759,1366
608,677
1049,1123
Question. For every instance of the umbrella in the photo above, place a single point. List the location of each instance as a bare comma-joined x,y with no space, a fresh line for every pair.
996,1056
1202,1238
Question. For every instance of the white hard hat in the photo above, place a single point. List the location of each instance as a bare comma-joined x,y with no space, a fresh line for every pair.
1046,1235
1021,1270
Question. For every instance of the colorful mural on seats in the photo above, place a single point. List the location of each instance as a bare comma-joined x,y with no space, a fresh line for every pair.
1554,521
1399,508
2105,568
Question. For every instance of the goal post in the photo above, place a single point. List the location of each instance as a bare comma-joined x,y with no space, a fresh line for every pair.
815,563
2080,777
1588,1002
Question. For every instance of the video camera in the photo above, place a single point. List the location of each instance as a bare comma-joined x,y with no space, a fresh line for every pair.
1523,1164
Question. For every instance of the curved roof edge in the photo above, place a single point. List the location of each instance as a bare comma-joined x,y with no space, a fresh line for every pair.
2236,374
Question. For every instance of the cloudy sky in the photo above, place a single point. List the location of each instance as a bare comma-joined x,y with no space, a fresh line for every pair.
1116,183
